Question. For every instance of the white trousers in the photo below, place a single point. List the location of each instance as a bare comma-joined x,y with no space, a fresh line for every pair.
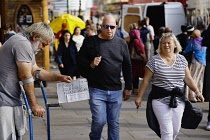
168,118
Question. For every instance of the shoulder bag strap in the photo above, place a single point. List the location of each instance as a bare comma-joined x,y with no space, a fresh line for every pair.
97,44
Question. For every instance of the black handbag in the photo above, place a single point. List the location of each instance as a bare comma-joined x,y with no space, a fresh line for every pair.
192,116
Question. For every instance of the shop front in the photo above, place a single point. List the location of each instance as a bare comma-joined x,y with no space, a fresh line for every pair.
21,14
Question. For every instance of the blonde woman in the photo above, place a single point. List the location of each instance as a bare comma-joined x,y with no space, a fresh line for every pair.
91,30
132,26
167,71
137,65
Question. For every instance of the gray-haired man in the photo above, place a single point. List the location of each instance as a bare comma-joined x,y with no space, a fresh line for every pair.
17,61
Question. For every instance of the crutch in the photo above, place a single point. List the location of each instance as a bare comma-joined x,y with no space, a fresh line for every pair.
47,108
28,110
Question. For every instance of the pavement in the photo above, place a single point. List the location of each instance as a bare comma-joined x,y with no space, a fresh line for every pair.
72,121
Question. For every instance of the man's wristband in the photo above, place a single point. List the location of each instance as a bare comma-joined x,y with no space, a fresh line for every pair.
37,74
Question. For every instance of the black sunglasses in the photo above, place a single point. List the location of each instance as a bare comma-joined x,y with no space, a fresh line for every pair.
107,26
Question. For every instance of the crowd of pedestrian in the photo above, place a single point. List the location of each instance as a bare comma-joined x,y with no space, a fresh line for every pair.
176,66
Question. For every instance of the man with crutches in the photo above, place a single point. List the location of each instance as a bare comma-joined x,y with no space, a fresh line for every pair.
17,65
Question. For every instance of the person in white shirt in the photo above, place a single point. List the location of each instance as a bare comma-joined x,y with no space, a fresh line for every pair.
78,38
150,37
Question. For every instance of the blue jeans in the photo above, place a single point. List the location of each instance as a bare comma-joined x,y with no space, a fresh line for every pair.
105,107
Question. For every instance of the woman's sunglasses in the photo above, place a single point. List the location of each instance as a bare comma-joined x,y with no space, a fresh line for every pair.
107,26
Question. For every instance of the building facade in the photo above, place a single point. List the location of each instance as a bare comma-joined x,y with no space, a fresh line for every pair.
24,13
197,13
73,7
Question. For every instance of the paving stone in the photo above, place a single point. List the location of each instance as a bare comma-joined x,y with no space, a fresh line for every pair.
72,121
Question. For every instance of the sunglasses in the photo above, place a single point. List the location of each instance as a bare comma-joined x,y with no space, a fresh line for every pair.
107,26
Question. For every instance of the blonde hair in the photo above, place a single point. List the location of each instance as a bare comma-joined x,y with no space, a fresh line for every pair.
92,27
178,47
42,29
132,26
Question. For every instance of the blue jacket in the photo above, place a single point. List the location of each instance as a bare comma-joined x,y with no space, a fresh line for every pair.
72,49
119,33
199,50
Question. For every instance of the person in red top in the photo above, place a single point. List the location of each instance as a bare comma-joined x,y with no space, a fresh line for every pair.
59,34
137,65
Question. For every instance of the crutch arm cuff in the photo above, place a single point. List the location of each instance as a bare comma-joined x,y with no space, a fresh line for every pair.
26,81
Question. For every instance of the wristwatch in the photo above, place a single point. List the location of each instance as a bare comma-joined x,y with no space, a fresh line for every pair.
37,74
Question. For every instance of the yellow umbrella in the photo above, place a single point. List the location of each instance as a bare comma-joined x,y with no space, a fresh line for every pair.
71,22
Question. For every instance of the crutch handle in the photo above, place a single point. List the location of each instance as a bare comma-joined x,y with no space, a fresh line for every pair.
53,105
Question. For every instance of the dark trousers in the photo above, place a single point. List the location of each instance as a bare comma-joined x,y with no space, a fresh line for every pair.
206,86
136,82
